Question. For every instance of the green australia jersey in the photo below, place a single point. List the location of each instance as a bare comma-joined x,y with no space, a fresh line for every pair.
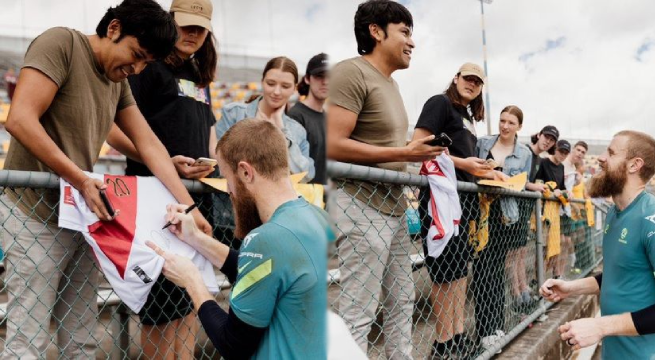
629,273
282,282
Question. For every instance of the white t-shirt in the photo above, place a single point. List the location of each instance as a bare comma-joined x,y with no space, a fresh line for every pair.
129,265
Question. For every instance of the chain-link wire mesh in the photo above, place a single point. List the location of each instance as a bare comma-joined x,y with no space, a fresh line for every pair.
464,303
394,300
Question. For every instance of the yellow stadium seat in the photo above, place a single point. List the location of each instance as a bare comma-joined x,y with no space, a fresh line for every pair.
105,149
4,112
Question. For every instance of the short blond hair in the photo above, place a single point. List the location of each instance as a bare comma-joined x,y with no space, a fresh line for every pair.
641,145
257,142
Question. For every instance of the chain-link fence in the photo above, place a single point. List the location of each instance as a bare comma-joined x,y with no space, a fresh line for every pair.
470,301
478,291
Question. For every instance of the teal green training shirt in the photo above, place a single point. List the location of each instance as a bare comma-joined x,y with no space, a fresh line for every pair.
629,273
282,282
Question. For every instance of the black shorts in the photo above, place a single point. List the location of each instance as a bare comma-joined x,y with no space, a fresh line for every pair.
452,264
166,302
519,232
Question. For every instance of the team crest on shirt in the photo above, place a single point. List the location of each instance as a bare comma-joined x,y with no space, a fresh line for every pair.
249,237
624,234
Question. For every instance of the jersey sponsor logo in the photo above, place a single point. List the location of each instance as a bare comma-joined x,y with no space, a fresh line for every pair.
239,270
650,234
251,254
246,241
142,274
68,196
624,234
651,218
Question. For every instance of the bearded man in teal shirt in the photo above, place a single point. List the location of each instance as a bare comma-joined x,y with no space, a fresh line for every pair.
627,284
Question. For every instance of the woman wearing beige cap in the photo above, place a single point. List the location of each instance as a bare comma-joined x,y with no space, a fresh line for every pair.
453,113
174,97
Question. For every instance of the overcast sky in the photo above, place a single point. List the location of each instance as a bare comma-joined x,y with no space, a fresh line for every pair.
585,66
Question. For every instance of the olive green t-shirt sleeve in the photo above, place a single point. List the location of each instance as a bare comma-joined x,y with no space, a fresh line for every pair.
127,99
347,87
50,53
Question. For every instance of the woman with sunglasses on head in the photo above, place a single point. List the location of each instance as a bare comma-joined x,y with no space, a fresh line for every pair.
454,113
173,95
508,225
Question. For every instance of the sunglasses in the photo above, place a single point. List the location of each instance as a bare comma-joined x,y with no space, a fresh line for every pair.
474,79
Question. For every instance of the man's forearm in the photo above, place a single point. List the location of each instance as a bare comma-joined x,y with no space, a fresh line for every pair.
38,142
352,151
585,286
212,249
617,325
155,157
198,292
119,141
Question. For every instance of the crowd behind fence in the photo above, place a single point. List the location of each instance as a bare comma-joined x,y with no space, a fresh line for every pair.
496,299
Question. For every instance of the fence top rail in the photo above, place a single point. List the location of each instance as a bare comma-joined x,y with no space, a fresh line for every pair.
45,180
358,172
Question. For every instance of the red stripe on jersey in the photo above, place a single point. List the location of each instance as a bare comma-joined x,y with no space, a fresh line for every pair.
115,237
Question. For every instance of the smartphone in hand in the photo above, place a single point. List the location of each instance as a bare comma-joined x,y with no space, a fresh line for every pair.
203,161
442,140
105,200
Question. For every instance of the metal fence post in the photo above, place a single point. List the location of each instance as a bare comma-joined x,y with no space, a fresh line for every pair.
541,271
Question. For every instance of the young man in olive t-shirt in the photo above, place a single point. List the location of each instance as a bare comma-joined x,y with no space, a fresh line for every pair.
72,87
367,124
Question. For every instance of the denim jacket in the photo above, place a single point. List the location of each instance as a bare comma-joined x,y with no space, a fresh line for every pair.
520,160
299,159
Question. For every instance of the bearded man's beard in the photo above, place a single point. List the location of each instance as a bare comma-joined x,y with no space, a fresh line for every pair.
246,216
609,182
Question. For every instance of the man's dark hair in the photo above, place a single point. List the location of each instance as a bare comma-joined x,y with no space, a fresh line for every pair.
303,88
534,138
583,144
379,12
153,27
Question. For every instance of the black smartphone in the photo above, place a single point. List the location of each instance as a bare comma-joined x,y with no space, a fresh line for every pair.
105,200
441,140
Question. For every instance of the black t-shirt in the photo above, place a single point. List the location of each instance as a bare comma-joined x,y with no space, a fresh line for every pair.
179,112
534,167
439,115
314,124
548,171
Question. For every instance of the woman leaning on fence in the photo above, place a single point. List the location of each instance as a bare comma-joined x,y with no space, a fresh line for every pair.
449,113
508,225
173,95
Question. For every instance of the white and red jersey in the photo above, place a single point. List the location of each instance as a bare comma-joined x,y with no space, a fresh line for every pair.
444,208
129,265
